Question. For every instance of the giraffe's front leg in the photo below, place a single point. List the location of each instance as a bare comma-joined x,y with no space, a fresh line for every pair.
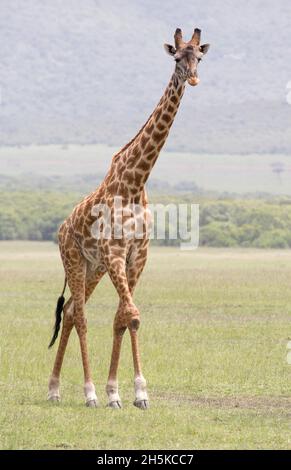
119,328
134,270
141,397
127,317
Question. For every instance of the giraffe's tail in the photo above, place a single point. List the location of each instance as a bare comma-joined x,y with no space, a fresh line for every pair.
59,309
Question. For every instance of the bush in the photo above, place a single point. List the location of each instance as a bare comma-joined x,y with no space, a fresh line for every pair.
273,239
218,234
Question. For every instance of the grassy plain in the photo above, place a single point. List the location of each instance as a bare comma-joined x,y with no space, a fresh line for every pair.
218,172
215,325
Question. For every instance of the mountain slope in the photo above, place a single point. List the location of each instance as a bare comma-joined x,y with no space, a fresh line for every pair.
92,71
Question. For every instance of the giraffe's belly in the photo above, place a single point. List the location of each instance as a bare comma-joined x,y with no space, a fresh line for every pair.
92,252
99,254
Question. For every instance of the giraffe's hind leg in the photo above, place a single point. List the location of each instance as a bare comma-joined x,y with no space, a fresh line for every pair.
54,381
91,280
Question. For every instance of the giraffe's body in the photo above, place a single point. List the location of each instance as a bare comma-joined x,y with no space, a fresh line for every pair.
86,259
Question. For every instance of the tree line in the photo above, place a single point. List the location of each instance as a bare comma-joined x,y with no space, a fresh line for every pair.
224,222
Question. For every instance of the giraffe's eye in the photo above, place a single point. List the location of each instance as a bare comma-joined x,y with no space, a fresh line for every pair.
199,59
177,59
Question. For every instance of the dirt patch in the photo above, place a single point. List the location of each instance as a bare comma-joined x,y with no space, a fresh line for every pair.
247,402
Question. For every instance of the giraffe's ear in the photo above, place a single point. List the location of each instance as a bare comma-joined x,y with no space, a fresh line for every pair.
204,48
170,49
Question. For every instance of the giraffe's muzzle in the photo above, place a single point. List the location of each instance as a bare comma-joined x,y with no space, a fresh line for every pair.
193,81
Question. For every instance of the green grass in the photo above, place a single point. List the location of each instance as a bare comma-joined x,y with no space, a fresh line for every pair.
215,325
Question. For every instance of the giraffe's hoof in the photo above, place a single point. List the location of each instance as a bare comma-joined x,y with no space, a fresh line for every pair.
142,404
115,404
54,398
92,403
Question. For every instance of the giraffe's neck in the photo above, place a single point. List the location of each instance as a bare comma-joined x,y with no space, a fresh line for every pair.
131,167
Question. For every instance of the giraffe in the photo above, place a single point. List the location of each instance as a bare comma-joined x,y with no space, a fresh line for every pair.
87,258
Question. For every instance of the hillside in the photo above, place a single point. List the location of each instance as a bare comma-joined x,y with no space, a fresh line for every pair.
92,71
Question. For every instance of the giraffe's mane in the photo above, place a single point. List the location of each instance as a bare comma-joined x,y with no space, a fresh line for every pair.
133,139
139,132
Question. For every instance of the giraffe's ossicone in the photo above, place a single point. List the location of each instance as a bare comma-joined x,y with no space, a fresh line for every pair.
87,257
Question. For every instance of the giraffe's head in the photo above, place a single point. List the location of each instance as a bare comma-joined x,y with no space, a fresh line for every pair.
187,55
